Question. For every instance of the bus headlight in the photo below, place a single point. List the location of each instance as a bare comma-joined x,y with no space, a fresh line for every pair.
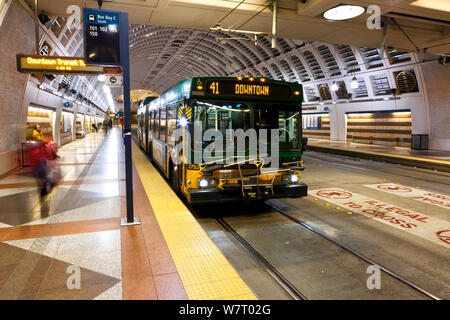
205,183
290,178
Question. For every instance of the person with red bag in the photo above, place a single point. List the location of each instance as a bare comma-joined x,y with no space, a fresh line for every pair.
40,156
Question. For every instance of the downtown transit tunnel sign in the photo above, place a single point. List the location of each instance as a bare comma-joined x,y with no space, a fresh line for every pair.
55,65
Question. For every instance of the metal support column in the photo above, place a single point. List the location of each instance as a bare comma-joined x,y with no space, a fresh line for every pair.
125,61
36,25
57,135
274,24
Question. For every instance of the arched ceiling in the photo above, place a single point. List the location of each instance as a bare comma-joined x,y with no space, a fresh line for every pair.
309,49
138,95
161,56
297,19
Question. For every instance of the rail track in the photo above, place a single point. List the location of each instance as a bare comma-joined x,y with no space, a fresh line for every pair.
288,286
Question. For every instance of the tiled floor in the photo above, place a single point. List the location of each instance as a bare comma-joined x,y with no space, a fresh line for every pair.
76,226
48,244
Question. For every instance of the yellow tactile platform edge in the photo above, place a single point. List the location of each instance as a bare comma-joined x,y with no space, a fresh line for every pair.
206,274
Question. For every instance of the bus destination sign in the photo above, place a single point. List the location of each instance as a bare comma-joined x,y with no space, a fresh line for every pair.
249,89
55,65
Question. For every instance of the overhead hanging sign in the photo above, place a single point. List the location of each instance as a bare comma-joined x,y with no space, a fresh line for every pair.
101,36
55,65
112,70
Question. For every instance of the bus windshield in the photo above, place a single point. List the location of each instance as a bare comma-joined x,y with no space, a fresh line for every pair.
285,118
222,116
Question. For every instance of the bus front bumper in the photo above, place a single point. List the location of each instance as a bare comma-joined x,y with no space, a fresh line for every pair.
206,196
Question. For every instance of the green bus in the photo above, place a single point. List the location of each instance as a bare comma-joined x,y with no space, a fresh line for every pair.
175,131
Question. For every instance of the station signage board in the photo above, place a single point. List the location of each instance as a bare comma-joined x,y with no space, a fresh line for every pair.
112,70
113,76
55,65
101,36
113,81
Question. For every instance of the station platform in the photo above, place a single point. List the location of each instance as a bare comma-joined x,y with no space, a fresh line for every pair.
70,245
428,159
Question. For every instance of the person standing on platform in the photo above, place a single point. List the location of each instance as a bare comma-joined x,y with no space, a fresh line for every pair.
110,123
41,156
105,127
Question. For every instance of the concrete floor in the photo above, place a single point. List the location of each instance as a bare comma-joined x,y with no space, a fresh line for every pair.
318,268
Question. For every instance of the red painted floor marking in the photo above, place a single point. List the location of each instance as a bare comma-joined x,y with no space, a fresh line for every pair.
444,237
394,188
334,194
424,196
415,223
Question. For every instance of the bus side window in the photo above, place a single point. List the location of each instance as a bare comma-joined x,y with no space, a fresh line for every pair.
151,122
139,119
163,124
171,123
156,130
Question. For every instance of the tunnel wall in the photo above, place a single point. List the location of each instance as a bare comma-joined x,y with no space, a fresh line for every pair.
437,79
415,103
430,107
15,38
18,90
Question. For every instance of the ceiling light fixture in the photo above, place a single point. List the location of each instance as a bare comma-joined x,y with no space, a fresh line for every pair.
334,86
343,12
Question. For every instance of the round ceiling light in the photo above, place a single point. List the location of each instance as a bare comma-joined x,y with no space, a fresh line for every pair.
343,12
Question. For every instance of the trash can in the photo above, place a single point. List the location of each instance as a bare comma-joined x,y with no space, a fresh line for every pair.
419,141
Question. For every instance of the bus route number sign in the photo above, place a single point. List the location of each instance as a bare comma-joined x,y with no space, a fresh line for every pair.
252,89
101,36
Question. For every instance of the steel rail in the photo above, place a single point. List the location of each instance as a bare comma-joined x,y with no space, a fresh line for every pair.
268,267
343,246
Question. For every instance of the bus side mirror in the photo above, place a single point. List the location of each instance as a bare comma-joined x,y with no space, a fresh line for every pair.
304,143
